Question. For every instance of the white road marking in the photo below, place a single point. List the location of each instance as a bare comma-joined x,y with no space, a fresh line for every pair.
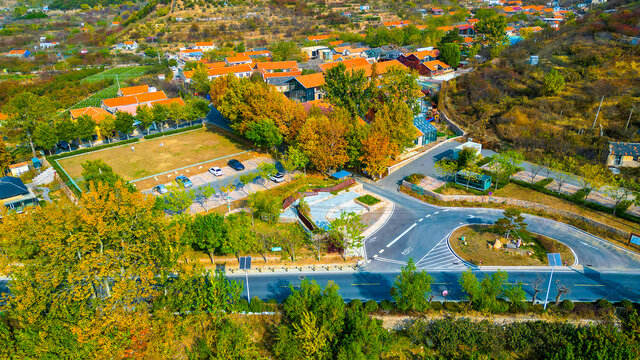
591,246
436,213
391,261
401,235
427,216
381,251
445,210
420,220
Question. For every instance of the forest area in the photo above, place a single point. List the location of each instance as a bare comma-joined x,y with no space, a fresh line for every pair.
583,93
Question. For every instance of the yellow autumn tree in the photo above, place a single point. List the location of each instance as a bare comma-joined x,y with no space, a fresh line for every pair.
324,141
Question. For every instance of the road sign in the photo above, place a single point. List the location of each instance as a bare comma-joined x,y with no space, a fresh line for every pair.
245,262
634,239
276,248
554,259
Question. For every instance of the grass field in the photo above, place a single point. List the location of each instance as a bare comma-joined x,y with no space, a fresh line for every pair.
122,73
151,157
96,99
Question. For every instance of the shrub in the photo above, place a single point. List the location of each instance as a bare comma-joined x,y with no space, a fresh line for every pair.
435,305
604,304
415,178
90,149
544,182
256,305
386,305
170,132
451,306
368,200
548,244
626,304
580,195
567,305
484,161
355,303
537,308
370,306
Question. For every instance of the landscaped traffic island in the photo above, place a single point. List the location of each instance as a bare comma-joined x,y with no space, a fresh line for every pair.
484,245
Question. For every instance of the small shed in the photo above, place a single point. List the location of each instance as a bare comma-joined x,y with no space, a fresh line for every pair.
469,144
36,163
19,168
342,174
428,132
473,180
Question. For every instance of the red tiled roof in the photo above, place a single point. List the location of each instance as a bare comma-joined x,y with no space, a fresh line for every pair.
277,65
135,99
134,90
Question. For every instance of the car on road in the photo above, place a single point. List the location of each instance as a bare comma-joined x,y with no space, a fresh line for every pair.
184,181
215,171
277,177
235,165
160,189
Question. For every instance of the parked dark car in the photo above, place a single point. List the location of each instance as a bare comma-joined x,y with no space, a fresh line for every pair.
64,145
235,165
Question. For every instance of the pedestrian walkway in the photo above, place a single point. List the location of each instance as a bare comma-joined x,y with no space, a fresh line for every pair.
441,257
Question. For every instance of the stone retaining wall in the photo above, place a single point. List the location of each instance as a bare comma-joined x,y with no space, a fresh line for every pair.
483,199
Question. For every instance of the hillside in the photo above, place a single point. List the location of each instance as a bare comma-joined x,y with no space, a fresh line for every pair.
551,107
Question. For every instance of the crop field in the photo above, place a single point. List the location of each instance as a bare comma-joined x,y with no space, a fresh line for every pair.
122,73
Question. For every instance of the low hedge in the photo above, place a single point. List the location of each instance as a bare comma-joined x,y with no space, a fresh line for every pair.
368,200
153,136
90,149
578,198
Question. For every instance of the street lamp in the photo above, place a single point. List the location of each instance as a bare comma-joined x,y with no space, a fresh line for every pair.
554,260
245,264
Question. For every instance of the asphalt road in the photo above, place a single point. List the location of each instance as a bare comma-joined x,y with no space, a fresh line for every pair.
587,285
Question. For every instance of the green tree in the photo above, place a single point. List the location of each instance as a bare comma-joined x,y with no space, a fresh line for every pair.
160,115
452,36
208,233
85,128
506,164
247,178
25,111
450,54
347,89
346,231
592,176
226,340
446,168
65,129
493,29
485,295
124,123
466,157
107,126
45,136
265,205
144,117
177,200
264,133
240,236
512,220
552,83
286,50
295,159
412,289
5,158
200,82
265,170
97,171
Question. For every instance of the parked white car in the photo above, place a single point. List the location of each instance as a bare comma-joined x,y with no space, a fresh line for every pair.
216,171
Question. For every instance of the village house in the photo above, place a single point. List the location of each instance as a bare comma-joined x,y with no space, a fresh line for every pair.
396,24
18,53
95,113
130,45
15,196
238,60
135,90
305,87
277,66
623,154
130,103
280,79
240,71
205,46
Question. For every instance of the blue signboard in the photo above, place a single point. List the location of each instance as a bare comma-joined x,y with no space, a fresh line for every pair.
635,239
276,248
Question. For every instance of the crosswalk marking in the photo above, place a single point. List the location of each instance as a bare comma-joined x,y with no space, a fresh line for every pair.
441,257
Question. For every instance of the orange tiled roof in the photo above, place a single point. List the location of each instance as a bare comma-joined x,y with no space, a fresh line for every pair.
508,9
204,43
381,67
468,40
294,73
335,43
135,90
311,80
135,99
95,113
168,102
320,37
3,116
397,23
17,52
129,42
347,63
472,21
446,28
277,65
213,65
423,54
238,58
433,65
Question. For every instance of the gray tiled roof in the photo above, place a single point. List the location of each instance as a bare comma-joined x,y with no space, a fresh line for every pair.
12,186
624,149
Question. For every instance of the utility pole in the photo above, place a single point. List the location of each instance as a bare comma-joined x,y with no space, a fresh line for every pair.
597,113
629,119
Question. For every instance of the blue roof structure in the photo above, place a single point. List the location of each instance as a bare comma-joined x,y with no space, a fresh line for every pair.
341,174
12,186
424,125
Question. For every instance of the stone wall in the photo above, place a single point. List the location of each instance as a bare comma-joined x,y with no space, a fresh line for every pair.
452,125
484,199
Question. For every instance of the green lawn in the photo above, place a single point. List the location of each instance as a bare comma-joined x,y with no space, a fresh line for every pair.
123,73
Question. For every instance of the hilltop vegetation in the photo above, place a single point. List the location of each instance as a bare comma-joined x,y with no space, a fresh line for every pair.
551,107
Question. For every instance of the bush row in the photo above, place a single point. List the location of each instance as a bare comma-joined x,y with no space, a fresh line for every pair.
90,149
579,198
63,175
153,136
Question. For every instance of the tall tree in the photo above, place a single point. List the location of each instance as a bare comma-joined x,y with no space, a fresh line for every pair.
412,288
45,136
264,134
324,142
208,233
346,231
85,128
265,170
265,205
295,159
396,120
107,126
97,171
400,85
377,151
160,115
5,157
26,110
450,54
124,123
65,129
144,117
347,89
200,82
